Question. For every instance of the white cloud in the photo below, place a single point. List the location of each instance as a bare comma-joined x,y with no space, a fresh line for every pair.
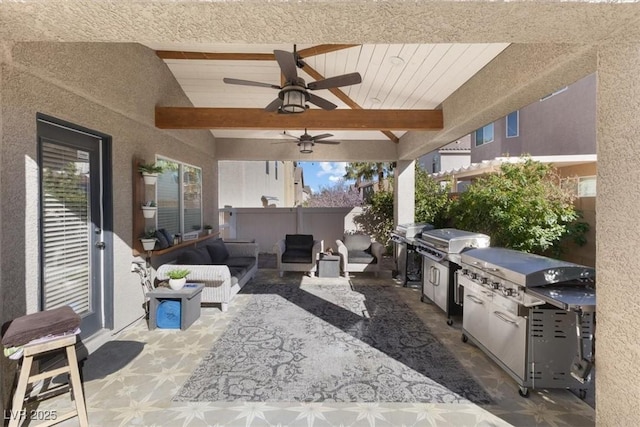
335,170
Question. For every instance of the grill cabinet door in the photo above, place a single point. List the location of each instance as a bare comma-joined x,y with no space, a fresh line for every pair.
427,278
475,319
441,286
508,338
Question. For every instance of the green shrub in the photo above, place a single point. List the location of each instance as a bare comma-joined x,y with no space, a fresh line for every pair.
432,200
377,217
522,207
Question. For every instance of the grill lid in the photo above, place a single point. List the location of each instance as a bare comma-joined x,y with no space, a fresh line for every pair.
452,240
524,269
412,229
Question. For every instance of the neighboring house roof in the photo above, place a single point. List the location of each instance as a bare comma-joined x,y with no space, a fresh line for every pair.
487,166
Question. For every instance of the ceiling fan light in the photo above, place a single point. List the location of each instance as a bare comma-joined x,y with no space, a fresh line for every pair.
293,101
306,147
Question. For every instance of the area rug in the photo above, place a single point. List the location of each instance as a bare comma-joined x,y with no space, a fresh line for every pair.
329,343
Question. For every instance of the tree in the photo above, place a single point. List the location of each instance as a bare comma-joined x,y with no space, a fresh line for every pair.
522,207
360,171
431,206
377,217
339,195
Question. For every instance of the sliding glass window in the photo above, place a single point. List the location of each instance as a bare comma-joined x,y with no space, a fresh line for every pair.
484,135
179,197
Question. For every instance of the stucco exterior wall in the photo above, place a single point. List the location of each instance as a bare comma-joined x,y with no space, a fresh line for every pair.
111,88
559,125
243,184
618,244
520,75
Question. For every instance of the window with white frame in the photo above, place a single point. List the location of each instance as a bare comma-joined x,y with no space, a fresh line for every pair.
484,135
583,186
587,186
512,124
179,197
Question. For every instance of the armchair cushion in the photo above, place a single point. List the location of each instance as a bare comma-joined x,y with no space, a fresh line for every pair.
361,257
299,242
357,242
297,255
194,257
218,252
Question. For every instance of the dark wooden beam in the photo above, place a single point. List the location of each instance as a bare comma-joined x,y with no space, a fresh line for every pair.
323,48
257,118
345,98
171,54
239,56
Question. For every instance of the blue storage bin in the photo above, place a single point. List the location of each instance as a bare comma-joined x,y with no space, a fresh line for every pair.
168,314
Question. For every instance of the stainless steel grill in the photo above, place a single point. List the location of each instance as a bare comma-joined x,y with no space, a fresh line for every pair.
532,314
408,262
440,249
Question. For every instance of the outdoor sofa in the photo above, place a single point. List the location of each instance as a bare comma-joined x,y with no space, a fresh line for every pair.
223,267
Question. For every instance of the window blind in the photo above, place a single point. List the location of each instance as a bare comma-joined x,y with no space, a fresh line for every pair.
66,228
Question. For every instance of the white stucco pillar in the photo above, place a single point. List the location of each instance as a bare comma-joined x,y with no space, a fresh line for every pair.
404,203
404,192
618,235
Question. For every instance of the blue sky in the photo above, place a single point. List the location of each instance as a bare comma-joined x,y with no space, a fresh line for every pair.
322,174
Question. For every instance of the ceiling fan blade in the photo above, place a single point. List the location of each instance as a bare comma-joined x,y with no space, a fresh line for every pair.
274,105
321,102
287,62
248,83
322,136
327,142
290,136
337,81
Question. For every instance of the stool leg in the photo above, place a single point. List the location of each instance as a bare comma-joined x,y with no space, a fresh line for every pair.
21,390
78,395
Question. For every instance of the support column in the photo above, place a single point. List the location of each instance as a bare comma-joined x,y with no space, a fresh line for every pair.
404,206
618,235
404,185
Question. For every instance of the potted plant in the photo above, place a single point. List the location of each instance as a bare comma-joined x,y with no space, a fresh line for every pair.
149,240
149,209
208,229
177,278
150,172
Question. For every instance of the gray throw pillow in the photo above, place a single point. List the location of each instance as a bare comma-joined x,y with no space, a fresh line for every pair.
162,240
192,257
218,252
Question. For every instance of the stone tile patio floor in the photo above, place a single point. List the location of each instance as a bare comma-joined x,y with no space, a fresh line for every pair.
131,380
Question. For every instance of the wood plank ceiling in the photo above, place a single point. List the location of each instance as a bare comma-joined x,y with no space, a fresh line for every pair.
394,77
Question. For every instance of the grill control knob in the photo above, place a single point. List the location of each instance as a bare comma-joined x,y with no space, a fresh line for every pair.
508,292
495,285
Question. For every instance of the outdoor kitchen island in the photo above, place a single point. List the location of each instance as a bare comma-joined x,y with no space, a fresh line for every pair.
533,315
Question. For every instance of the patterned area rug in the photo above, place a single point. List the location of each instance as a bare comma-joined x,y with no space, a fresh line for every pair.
329,343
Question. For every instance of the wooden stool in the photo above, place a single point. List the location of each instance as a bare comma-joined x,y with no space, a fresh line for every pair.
75,384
